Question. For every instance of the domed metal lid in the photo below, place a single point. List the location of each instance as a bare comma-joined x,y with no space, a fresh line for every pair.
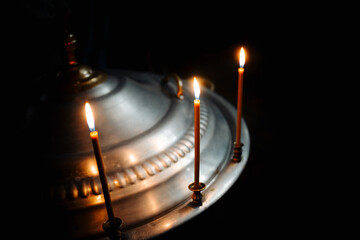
147,138
136,119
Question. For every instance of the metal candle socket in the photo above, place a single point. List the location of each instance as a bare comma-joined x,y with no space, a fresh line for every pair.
197,196
237,156
113,231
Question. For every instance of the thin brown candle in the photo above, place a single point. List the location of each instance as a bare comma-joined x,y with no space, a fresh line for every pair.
196,187
196,133
100,164
239,99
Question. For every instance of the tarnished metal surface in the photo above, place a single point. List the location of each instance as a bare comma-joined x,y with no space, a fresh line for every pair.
146,135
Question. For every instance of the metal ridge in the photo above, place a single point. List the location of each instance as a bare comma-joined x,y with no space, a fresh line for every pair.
90,186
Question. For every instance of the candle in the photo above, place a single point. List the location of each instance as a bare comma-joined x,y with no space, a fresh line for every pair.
100,164
196,132
239,99
196,187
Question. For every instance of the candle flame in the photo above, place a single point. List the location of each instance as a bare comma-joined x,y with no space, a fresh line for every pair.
89,117
196,89
242,58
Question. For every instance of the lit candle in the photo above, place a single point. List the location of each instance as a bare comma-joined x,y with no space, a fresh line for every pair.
196,187
100,164
196,132
239,99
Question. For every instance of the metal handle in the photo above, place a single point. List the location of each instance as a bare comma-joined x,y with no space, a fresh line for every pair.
208,84
179,84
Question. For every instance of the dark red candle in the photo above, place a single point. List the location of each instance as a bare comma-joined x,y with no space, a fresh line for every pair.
100,164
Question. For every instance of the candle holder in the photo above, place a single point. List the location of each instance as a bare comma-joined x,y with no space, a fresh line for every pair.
237,156
113,232
197,196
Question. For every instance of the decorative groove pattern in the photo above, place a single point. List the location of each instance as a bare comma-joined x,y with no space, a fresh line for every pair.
91,186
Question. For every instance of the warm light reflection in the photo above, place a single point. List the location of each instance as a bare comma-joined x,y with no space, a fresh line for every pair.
242,57
93,170
167,225
89,117
116,182
132,158
196,89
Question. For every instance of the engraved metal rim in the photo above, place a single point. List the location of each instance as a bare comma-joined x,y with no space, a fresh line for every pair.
170,213
91,186
214,190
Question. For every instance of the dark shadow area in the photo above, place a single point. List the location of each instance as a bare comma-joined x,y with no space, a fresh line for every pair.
269,198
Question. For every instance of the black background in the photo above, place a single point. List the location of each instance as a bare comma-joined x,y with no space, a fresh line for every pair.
275,196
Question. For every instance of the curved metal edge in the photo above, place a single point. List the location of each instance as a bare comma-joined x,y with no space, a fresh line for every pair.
213,192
